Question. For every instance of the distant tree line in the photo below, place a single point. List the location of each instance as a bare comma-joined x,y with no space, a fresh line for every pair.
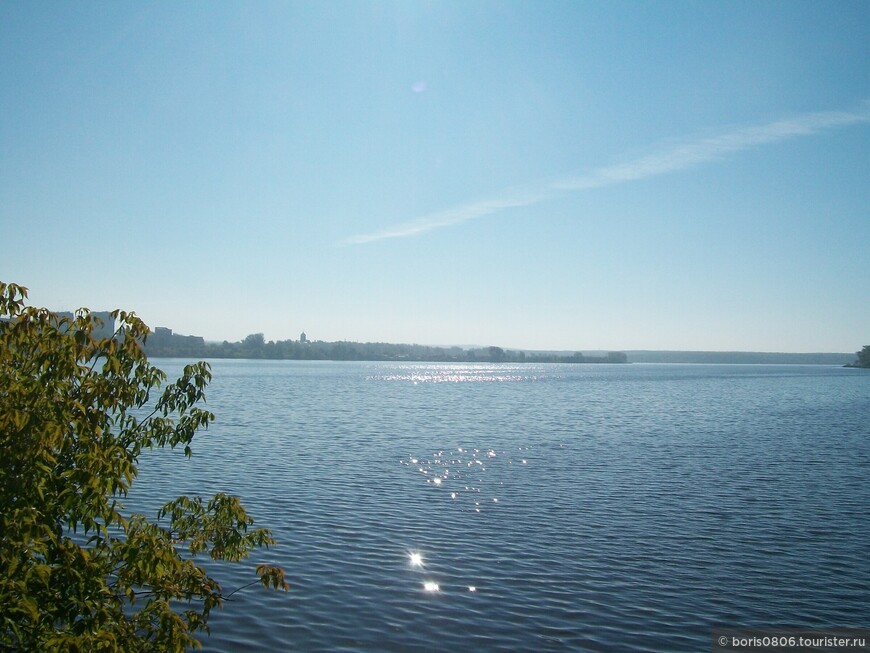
163,343
863,359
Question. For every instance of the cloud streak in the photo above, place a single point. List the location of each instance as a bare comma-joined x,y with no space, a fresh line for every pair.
673,159
456,215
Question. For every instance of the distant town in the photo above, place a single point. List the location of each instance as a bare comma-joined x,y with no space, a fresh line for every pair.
164,343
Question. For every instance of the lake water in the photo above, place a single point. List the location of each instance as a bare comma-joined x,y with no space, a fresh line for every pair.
554,507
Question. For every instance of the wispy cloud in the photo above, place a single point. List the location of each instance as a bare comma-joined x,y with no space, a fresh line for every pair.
673,159
456,215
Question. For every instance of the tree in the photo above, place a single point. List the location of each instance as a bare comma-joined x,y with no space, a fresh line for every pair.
76,572
253,345
863,357
496,354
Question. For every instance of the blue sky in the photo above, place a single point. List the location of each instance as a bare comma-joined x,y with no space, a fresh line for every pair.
541,175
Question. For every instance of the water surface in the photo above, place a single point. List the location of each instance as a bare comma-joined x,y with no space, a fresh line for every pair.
552,507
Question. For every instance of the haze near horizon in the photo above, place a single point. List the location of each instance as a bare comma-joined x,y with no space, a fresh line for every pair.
549,176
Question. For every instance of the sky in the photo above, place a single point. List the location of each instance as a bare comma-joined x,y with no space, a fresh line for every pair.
538,175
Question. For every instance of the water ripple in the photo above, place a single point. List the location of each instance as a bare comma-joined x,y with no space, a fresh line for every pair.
591,508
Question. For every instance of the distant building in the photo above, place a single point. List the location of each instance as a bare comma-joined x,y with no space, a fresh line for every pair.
302,338
160,336
104,330
163,342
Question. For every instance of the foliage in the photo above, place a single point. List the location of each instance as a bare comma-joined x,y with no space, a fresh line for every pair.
76,573
863,357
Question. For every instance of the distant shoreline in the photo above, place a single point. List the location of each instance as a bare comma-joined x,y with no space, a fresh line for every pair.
740,357
163,343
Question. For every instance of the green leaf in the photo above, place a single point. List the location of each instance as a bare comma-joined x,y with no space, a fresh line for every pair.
71,434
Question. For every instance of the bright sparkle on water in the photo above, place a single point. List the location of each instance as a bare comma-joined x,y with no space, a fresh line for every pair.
416,558
459,374
431,586
445,466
